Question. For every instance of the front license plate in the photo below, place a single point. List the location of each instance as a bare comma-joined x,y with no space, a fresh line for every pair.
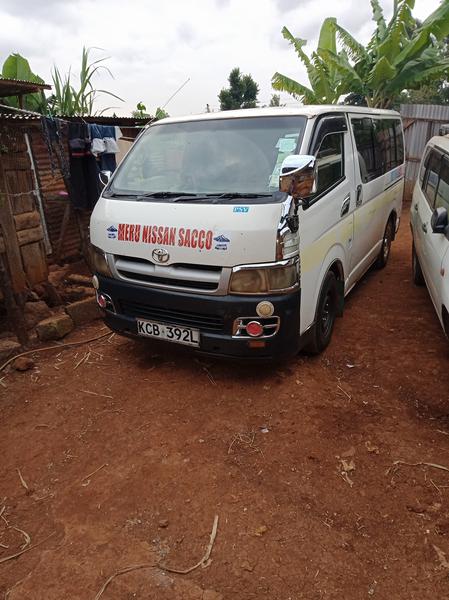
172,333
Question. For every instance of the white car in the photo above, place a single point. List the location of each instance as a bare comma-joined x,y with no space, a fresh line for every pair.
430,226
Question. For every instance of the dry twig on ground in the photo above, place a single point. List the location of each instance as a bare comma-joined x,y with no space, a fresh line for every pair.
396,463
122,572
55,347
93,472
244,439
22,481
17,554
204,562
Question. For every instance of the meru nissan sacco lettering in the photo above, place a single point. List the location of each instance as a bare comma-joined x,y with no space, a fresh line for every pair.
166,236
177,257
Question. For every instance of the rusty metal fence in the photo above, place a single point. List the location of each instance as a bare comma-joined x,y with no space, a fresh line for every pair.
421,122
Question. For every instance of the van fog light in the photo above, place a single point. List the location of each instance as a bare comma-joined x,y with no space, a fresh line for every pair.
265,309
102,300
254,329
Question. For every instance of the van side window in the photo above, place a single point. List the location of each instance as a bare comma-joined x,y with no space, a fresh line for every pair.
330,162
442,197
424,165
431,178
363,133
400,154
385,143
380,146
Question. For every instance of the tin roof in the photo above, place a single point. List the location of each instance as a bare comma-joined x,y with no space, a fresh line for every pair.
8,115
18,87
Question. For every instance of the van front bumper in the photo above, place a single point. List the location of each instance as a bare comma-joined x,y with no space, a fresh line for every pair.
214,316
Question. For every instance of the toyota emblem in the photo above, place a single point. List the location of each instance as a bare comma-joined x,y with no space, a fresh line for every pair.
160,255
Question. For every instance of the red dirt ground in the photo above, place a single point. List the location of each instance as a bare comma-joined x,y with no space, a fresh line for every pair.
181,439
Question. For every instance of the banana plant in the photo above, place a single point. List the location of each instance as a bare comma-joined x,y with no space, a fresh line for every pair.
17,67
400,55
324,82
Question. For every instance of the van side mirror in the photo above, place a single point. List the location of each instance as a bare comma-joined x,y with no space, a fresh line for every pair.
298,176
439,220
104,177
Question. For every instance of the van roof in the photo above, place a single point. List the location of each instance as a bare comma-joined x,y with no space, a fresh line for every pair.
308,111
442,141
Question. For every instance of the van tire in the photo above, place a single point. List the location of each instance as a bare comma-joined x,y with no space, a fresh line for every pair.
418,277
326,314
385,249
446,322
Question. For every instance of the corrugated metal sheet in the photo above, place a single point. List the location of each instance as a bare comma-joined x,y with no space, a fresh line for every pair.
55,197
421,122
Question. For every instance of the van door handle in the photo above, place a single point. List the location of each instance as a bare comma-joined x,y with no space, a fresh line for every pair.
424,227
345,206
358,198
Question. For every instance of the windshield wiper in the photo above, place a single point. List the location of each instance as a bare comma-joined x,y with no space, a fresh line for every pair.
241,195
227,195
164,195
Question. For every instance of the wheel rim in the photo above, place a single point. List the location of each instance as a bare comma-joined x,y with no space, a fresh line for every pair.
387,243
327,315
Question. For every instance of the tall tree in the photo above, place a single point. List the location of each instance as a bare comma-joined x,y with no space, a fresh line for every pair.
399,56
241,93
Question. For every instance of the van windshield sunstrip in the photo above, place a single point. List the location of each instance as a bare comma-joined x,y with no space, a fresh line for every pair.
221,157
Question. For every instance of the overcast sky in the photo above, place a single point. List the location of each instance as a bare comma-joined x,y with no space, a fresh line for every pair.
155,46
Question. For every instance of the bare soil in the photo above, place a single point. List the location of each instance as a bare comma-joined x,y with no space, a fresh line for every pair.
297,461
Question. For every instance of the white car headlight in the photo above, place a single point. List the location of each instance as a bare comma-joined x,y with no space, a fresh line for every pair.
268,279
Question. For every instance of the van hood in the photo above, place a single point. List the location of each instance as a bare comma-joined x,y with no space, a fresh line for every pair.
222,235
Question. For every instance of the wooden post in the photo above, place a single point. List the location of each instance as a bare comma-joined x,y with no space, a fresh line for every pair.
13,309
11,242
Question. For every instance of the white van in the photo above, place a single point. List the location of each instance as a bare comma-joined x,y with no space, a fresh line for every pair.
239,233
430,226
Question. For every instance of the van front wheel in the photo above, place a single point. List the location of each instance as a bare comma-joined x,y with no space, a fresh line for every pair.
327,310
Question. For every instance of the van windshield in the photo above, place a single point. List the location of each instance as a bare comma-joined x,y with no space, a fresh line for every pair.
209,157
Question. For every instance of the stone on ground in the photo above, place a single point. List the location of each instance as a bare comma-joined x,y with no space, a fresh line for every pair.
55,327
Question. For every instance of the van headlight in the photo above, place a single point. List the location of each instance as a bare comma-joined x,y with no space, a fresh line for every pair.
99,262
266,279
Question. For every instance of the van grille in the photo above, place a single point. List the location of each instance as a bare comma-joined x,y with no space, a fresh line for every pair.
183,276
177,317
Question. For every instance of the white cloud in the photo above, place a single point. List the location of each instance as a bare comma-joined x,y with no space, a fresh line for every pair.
155,46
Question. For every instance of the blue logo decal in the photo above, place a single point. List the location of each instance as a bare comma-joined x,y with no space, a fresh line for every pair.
221,247
222,239
241,209
112,231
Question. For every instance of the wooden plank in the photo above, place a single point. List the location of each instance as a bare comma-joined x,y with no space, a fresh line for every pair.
64,225
26,202
28,236
14,258
27,220
14,308
35,263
